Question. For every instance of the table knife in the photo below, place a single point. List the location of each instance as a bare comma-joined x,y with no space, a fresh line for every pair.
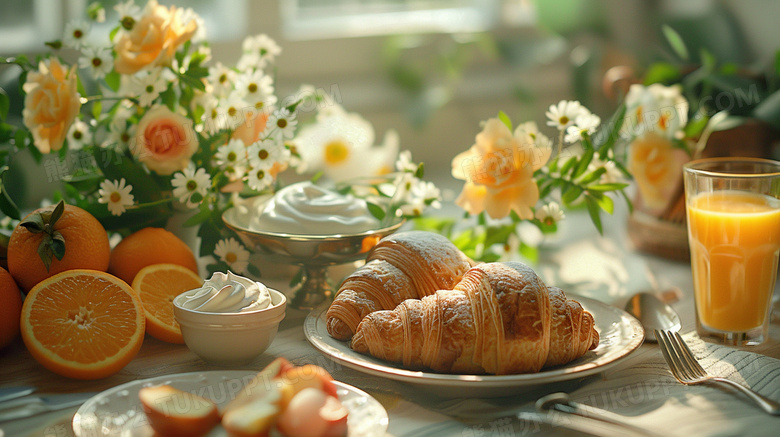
21,408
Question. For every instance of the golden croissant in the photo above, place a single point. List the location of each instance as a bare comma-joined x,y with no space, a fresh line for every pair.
499,319
406,265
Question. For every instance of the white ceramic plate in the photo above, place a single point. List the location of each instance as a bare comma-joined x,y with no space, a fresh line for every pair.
619,335
118,411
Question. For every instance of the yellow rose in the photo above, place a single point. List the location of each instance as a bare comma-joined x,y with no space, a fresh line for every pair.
657,169
498,170
164,141
51,104
153,39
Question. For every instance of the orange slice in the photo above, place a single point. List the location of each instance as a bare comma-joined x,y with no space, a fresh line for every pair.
82,324
157,285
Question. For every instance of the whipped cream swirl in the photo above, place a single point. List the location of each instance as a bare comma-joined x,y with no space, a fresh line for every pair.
227,293
307,209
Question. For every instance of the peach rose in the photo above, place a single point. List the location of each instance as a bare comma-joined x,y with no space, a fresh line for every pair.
657,169
165,141
51,104
153,39
249,131
499,169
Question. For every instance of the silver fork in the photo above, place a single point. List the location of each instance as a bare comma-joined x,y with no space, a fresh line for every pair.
688,371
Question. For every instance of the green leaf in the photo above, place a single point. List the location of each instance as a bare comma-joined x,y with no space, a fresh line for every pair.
376,210
498,235
169,98
95,10
708,60
45,251
57,213
5,104
7,205
420,173
603,201
529,252
113,80
505,119
592,176
582,166
614,186
604,140
662,72
97,108
675,41
113,33
594,212
193,82
769,110
58,245
56,44
570,194
568,165
696,126
203,214
34,223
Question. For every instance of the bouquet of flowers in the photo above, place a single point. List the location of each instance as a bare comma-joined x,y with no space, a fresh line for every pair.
143,125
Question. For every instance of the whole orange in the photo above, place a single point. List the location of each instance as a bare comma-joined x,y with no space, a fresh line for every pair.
10,308
86,247
146,247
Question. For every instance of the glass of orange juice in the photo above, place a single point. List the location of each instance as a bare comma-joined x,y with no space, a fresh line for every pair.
733,211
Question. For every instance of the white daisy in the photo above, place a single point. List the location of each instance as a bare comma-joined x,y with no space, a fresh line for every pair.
190,186
149,87
249,61
221,79
405,163
284,122
232,253
265,153
79,135
233,109
116,195
120,134
232,157
97,60
586,123
188,15
128,13
419,195
213,118
264,46
256,88
550,214
612,173
76,32
563,115
260,179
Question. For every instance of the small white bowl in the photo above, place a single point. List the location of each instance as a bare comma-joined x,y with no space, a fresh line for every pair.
230,339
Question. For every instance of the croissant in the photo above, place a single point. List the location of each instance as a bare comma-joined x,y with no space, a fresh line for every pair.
406,265
499,319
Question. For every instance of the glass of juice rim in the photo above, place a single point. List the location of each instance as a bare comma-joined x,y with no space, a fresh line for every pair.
733,212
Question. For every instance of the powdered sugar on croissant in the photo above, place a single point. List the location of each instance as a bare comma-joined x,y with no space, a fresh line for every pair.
499,319
406,265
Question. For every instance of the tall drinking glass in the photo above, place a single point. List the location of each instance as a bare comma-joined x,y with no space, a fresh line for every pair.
733,207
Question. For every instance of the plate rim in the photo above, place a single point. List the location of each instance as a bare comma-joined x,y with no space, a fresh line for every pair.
557,374
230,374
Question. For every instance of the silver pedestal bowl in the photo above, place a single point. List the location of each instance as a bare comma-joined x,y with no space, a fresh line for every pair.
313,253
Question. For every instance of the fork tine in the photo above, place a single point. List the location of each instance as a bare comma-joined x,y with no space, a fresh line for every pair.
676,363
687,362
689,357
663,342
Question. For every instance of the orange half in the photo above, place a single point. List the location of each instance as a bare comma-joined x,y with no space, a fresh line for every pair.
157,285
83,324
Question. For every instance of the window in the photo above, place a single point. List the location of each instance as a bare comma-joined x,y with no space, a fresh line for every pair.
25,25
318,19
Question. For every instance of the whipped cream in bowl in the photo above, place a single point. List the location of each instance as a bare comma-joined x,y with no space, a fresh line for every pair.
227,293
308,209
229,320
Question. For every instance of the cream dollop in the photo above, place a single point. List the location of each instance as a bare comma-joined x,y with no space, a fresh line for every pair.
307,209
227,293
